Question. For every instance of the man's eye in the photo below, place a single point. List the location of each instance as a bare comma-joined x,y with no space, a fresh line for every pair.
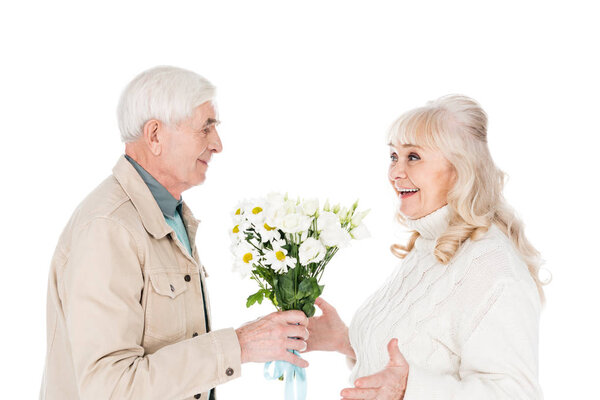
413,157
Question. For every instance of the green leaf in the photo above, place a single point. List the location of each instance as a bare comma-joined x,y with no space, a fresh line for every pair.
286,288
309,289
273,299
305,289
256,297
276,292
309,309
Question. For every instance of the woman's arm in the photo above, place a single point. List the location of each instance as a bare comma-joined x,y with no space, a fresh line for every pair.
499,359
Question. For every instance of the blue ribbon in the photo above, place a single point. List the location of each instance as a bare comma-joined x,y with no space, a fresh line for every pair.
292,374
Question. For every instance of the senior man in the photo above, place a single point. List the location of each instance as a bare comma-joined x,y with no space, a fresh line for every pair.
128,311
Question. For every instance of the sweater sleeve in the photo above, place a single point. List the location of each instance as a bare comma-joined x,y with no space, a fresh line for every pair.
102,282
498,359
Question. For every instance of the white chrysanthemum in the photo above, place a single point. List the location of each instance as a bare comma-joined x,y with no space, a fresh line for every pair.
311,251
255,212
237,234
240,209
268,233
278,258
244,256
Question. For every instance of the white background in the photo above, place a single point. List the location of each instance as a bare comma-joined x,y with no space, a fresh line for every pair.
307,91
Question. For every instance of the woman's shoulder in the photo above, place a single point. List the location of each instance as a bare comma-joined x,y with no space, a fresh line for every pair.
496,258
494,269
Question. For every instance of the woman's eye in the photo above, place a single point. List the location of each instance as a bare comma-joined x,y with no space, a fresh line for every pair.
413,157
393,157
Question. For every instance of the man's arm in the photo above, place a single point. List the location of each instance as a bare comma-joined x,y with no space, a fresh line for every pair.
100,291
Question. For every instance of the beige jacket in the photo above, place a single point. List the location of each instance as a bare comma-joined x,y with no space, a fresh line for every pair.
125,318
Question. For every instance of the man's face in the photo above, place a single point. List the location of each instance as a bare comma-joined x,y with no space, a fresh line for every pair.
188,147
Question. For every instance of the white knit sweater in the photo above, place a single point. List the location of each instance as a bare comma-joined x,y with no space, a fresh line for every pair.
469,329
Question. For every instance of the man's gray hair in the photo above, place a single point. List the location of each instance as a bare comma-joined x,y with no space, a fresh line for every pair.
168,94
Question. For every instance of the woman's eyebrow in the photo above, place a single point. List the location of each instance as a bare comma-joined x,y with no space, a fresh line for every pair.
406,145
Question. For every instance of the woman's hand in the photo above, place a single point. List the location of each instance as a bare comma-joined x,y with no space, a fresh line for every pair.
387,384
328,332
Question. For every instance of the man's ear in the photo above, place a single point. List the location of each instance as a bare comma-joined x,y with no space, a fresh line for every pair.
151,136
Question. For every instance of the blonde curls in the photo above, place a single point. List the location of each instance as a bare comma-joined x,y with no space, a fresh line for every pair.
457,126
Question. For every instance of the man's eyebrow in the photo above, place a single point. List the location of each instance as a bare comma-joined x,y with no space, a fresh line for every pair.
211,121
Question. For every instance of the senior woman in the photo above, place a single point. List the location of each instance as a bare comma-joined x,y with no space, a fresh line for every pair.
458,319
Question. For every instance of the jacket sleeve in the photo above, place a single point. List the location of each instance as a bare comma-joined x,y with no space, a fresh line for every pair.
499,358
101,290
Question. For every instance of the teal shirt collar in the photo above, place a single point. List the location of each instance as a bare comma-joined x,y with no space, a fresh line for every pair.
168,204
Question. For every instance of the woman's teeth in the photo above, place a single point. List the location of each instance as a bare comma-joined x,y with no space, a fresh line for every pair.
406,191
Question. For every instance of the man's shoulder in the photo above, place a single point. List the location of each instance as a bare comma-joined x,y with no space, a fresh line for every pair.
107,201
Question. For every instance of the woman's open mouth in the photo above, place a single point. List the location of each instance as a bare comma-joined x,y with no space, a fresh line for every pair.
404,193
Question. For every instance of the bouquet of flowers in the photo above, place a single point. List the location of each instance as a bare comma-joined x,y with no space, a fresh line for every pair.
284,245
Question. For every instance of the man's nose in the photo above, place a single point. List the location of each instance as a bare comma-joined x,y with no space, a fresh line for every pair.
215,143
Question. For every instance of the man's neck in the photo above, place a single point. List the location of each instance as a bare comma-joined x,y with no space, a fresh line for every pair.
155,171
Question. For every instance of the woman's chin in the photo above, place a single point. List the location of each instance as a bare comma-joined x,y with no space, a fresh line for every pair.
408,213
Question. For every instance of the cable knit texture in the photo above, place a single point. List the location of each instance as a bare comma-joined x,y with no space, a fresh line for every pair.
468,329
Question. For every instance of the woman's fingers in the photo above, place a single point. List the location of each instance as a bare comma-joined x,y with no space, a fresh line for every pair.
323,305
353,393
396,357
372,381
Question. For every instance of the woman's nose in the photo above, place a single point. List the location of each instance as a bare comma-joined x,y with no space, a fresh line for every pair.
397,171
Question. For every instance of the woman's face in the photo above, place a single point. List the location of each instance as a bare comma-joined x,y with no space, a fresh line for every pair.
421,177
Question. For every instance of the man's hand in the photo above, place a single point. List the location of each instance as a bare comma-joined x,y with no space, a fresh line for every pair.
387,384
269,338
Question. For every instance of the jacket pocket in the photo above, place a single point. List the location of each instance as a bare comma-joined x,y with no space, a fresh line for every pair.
165,307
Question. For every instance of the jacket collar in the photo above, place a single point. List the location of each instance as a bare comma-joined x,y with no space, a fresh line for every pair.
167,203
145,204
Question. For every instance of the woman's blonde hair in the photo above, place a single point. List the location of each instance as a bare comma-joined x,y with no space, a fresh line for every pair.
457,126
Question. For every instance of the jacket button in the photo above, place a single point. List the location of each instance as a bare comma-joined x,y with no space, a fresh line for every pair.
229,371
195,334
187,278
197,396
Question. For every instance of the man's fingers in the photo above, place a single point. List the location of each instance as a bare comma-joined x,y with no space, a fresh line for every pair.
298,331
294,317
359,393
295,344
396,357
294,359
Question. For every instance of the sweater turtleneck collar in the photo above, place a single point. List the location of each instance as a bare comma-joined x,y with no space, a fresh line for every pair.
431,226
